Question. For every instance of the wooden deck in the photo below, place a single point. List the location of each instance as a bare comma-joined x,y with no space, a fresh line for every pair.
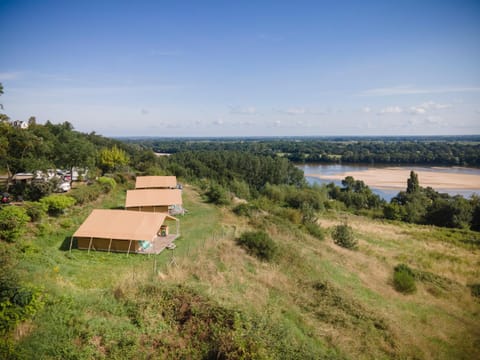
159,243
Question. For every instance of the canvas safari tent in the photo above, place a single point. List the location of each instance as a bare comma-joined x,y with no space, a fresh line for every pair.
156,182
125,231
155,200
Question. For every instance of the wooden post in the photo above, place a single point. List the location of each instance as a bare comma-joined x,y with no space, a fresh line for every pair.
129,246
110,245
90,244
71,243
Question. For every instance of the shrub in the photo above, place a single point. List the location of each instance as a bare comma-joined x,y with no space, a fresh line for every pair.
84,194
393,211
35,210
244,209
108,184
343,236
259,244
120,178
217,194
12,222
56,204
292,215
308,214
315,231
404,279
17,302
40,188
240,189
475,290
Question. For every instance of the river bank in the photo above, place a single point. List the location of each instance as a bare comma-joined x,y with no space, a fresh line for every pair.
391,180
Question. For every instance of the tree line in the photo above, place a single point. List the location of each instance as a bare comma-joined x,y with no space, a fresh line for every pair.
462,150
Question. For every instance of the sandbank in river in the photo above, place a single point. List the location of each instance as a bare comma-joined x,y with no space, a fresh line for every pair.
396,178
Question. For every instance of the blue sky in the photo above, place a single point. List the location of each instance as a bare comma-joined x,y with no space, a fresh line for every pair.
244,68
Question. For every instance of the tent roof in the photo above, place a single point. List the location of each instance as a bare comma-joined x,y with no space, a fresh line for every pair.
145,182
153,197
122,225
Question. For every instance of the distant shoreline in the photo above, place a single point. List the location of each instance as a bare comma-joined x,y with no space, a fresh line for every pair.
396,178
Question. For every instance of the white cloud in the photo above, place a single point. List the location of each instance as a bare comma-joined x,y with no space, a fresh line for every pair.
10,75
428,106
433,120
367,109
412,90
296,111
434,105
417,110
218,122
390,110
245,123
238,110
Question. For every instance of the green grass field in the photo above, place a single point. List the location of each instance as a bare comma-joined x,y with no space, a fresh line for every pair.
209,299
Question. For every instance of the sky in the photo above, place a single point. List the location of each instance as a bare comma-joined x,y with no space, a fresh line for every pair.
244,68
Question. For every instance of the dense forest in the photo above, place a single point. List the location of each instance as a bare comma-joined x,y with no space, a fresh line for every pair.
461,150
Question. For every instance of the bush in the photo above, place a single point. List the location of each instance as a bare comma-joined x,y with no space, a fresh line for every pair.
259,244
108,184
35,210
292,215
343,236
308,214
315,231
404,279
17,302
84,194
56,204
40,188
240,189
12,222
244,209
216,194
475,290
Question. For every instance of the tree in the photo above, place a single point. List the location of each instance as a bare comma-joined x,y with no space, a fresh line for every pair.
111,159
413,185
475,223
1,93
12,222
453,212
75,151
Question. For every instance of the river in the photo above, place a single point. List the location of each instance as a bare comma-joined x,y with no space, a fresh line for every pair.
387,180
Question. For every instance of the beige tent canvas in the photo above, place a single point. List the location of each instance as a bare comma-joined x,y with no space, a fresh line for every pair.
156,182
155,200
126,231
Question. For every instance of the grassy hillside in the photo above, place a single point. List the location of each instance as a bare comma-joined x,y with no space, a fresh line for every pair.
209,299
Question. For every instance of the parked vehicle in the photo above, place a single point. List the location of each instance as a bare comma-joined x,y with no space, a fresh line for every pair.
5,199
64,187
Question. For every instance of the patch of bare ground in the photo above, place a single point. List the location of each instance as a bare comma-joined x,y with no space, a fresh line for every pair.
23,329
